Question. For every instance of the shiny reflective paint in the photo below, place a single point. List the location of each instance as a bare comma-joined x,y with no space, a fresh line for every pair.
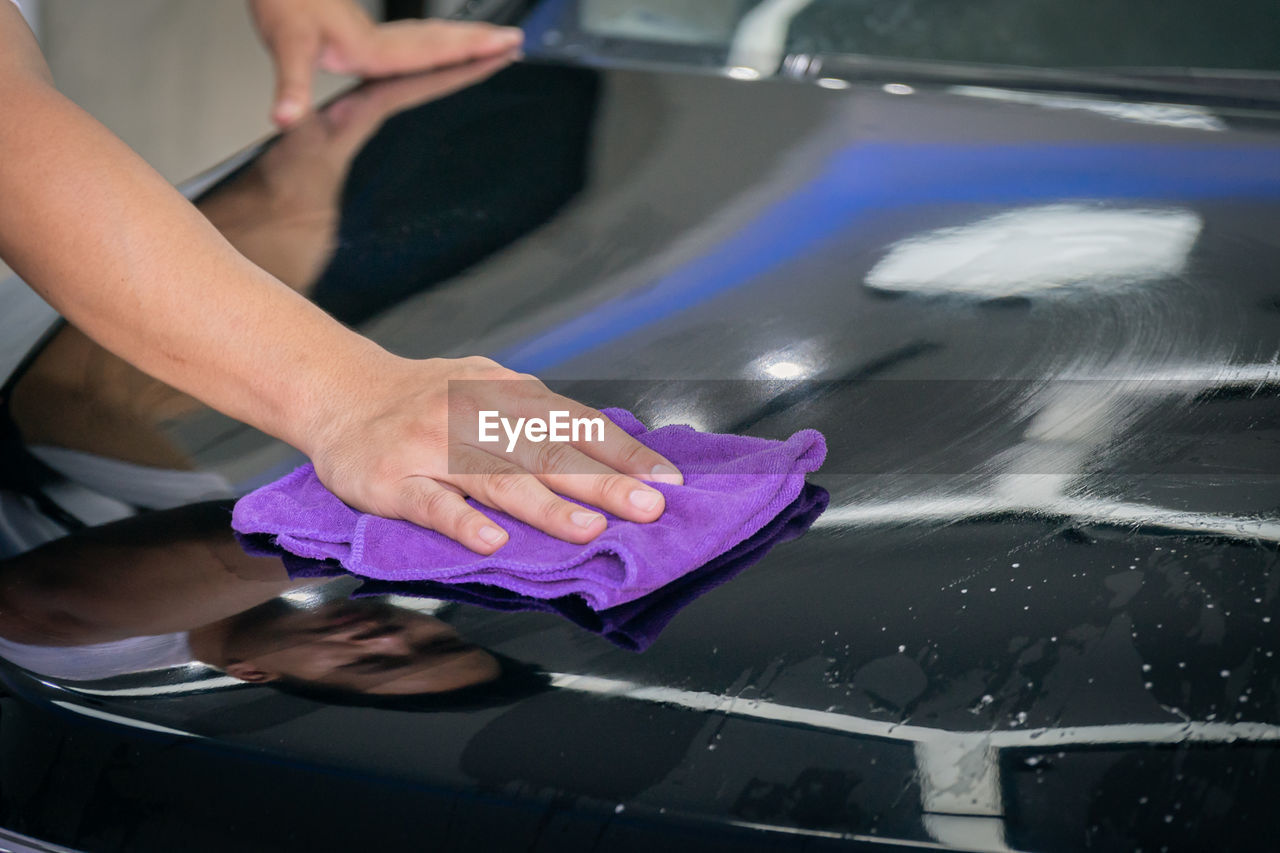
1039,612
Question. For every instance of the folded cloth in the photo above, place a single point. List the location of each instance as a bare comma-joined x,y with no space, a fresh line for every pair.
733,486
635,625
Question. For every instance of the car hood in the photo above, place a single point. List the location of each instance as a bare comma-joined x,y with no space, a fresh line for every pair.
1039,334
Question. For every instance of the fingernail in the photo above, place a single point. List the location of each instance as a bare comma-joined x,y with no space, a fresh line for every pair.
666,474
582,518
645,499
288,109
492,535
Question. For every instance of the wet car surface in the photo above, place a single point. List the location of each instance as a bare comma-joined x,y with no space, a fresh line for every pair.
1039,334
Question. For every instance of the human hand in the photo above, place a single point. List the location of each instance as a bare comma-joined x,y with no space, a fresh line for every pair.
338,36
395,451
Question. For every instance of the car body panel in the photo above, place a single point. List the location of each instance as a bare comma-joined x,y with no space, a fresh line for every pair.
1036,614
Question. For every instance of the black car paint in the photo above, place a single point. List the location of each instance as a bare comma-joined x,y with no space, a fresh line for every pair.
983,672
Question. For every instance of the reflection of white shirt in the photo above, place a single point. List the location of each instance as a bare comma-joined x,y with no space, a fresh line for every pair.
100,660
99,490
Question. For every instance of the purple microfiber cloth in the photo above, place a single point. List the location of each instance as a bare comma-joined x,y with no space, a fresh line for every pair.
635,625
733,486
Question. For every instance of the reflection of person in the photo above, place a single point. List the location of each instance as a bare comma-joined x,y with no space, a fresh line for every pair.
361,646
172,588
126,259
282,211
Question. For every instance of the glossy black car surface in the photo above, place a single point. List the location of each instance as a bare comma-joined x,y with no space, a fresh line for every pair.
1040,331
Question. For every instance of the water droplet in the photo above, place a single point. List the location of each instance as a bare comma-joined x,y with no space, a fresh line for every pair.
619,808
901,649
1016,565
1146,667
1226,673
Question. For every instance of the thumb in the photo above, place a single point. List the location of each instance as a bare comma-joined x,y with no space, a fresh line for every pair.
294,53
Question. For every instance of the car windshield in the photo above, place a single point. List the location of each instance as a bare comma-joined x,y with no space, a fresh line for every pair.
770,37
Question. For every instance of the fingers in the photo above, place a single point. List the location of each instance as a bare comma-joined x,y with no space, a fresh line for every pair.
427,503
294,52
401,47
512,489
566,470
416,450
620,452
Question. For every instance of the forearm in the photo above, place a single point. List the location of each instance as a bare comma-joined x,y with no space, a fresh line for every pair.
129,261
138,269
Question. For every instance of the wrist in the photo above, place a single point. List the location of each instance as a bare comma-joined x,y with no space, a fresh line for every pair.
345,390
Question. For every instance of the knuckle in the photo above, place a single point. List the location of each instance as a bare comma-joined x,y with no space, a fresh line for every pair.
479,363
633,455
507,483
436,505
464,404
550,511
432,433
618,486
556,458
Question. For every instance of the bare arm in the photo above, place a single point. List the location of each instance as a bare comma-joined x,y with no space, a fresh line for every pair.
129,261
107,242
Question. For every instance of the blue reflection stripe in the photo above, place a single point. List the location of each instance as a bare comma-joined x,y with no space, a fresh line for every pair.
544,18
875,177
